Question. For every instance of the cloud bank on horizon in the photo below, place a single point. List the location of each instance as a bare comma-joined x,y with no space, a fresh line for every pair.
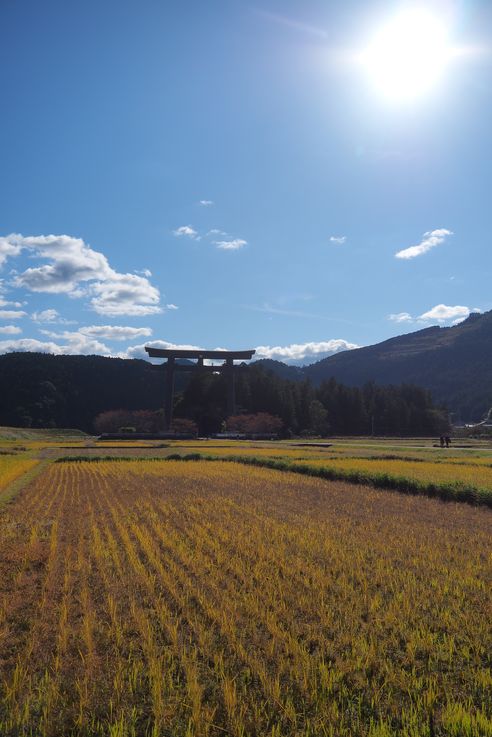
294,353
300,351
85,341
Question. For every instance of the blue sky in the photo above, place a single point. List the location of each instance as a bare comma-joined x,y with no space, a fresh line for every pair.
228,174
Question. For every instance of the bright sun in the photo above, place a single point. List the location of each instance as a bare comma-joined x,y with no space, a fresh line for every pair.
408,55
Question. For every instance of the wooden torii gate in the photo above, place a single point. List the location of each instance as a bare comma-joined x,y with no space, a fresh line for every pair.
170,367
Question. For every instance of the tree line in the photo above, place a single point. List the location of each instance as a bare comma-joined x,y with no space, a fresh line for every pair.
331,408
40,390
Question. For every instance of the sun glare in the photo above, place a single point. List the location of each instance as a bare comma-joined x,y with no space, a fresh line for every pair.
408,55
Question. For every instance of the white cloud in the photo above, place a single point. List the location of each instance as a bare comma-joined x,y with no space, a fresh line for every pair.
206,203
7,303
77,345
28,344
12,314
440,313
401,317
444,313
233,245
75,269
338,239
110,332
49,315
84,342
71,261
54,334
431,239
138,351
114,332
172,307
300,351
8,249
125,294
186,230
10,330
216,231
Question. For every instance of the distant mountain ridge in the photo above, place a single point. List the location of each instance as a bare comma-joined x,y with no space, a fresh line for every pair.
284,370
454,363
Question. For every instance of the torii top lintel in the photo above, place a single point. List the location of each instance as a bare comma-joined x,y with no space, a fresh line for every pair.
183,353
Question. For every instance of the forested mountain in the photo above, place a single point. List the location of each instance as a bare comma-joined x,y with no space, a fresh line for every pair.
40,390
454,363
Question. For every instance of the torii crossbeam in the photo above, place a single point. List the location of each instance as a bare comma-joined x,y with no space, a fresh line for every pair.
170,367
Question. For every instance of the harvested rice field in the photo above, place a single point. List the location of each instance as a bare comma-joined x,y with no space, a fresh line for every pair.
416,466
211,598
13,467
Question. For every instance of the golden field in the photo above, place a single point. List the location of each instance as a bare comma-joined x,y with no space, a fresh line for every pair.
210,598
13,467
474,473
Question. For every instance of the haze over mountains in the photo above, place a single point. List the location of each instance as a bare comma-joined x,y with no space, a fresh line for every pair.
454,363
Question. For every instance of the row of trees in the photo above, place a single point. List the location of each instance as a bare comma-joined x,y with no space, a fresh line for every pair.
331,408
123,421
71,391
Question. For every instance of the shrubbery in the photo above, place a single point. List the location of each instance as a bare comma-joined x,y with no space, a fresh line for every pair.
121,420
261,423
182,425
140,421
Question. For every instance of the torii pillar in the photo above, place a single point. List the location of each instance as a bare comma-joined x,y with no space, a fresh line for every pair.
231,387
169,393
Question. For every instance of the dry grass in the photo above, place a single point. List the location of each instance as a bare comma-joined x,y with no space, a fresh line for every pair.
13,467
172,599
